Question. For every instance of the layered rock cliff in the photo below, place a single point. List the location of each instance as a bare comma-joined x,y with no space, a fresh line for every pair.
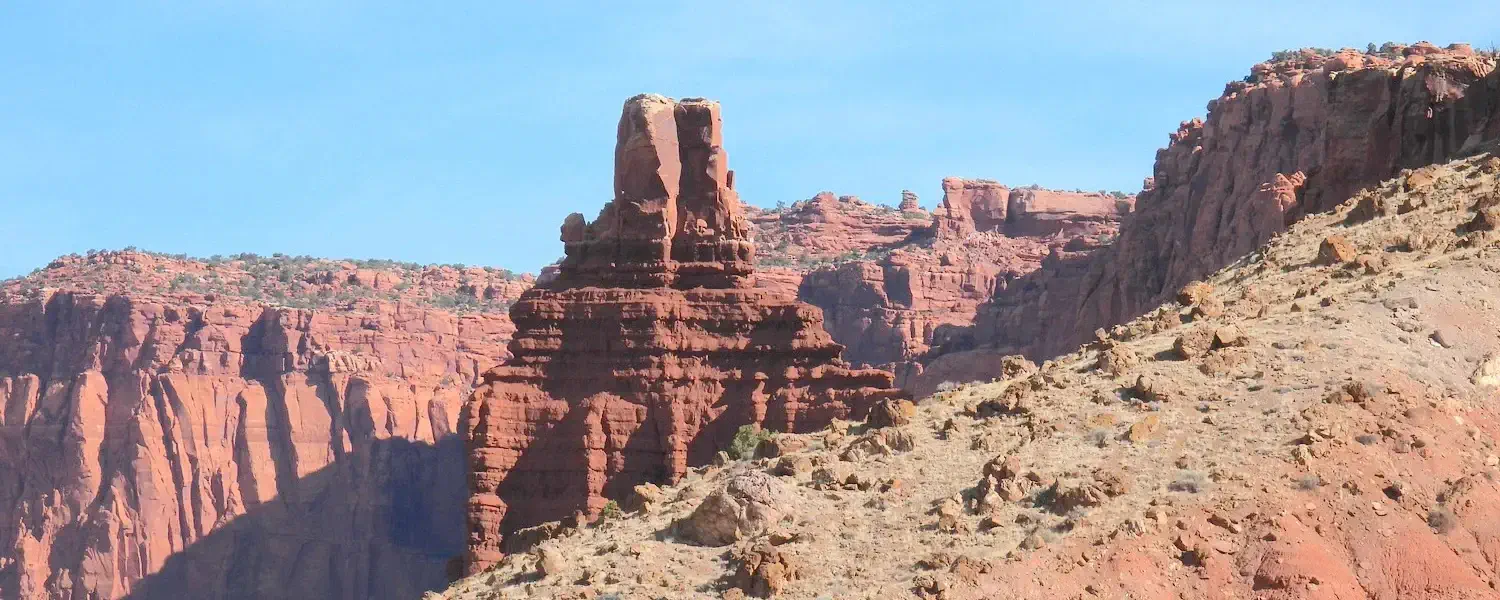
651,347
161,443
1297,136
889,309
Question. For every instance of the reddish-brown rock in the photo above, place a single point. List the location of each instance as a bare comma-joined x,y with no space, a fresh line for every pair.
1298,136
172,447
827,228
909,201
651,347
891,309
970,205
1041,212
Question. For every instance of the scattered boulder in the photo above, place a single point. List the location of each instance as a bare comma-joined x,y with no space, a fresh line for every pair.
881,442
747,505
1007,480
764,570
528,538
550,561
1144,429
891,412
777,446
1194,342
1194,293
1336,250
1117,359
645,498
1229,336
1016,366
1223,362
1151,389
835,476
1370,263
797,466
1069,495
1488,373
1486,215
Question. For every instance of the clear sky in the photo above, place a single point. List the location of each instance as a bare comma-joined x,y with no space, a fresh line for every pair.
466,133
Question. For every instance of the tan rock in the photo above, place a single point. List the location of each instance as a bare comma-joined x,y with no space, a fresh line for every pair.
1194,342
1146,429
748,504
1336,250
892,412
765,570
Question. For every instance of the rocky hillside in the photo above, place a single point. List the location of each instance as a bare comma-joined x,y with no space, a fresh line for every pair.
1297,136
1317,420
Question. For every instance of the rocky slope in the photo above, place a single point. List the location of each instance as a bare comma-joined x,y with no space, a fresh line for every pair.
651,348
1296,137
1318,420
163,435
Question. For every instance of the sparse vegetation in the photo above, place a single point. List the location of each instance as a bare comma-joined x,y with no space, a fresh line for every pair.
611,510
1441,520
746,439
1191,482
278,279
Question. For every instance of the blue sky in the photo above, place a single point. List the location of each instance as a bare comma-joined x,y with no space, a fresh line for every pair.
466,134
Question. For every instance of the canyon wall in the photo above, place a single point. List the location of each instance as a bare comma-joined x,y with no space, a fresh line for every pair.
1298,136
189,445
651,347
889,309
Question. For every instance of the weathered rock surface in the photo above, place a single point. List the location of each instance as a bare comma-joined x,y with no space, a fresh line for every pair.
171,446
1298,136
1350,457
652,345
892,309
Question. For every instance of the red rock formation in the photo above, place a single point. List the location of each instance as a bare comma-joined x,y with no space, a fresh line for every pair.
168,446
1042,212
970,205
1298,136
827,228
890,310
909,202
652,346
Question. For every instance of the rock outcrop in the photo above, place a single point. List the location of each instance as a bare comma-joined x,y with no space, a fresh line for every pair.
651,347
889,310
970,205
171,446
1296,137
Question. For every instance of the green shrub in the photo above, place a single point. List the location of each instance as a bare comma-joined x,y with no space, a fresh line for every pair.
746,440
611,510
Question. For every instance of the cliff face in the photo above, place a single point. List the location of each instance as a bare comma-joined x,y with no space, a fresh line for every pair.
891,309
195,445
1297,137
651,347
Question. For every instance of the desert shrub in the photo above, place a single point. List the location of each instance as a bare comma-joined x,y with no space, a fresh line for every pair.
746,440
1189,481
611,510
1441,520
